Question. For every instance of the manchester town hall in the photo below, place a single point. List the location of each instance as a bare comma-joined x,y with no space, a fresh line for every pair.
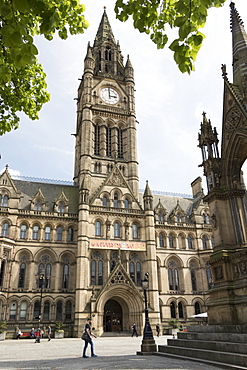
69,252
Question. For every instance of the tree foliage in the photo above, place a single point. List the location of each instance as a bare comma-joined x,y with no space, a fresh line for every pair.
22,79
153,16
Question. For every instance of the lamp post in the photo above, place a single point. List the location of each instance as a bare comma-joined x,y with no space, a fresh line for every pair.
148,343
41,279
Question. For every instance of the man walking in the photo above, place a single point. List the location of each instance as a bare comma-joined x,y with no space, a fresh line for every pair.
134,331
89,339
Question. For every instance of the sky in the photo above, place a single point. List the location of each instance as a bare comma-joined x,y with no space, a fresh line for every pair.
169,104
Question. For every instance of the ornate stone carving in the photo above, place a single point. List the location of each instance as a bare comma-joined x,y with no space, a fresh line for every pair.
218,272
233,118
116,180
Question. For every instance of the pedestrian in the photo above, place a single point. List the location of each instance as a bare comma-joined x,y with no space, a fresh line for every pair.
32,334
41,333
158,330
89,340
49,333
18,333
134,330
108,325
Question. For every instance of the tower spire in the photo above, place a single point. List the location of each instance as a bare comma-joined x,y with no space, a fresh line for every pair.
239,48
104,32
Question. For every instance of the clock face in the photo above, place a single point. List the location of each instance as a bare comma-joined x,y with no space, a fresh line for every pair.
109,95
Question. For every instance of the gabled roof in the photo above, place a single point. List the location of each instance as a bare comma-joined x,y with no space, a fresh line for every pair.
114,179
51,192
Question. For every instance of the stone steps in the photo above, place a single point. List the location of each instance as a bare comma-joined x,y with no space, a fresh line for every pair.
217,364
224,346
229,347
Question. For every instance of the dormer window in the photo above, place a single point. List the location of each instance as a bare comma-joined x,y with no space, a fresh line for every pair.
37,205
205,218
4,199
160,216
61,207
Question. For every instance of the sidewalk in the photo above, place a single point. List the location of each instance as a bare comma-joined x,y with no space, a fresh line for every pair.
116,353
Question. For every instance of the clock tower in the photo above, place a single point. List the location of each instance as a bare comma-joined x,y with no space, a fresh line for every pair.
106,122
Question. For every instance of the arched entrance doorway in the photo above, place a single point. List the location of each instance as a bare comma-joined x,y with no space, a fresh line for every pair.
113,316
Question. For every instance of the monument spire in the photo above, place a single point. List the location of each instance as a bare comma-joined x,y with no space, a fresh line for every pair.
239,48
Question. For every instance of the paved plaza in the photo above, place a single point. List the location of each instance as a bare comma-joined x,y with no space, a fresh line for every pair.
113,353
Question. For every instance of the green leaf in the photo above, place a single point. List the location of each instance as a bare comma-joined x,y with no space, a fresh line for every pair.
21,5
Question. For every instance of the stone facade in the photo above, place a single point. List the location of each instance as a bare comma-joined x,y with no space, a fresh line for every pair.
72,251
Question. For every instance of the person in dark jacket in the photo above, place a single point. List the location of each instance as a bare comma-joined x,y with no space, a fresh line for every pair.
89,339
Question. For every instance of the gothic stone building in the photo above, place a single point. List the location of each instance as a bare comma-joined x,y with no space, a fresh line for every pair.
72,251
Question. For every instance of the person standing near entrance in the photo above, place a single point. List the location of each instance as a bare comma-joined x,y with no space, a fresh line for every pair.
89,339
134,330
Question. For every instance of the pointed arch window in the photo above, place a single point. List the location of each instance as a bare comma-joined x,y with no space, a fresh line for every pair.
59,234
197,308
180,310
161,240
35,232
70,234
99,61
36,310
97,228
97,139
65,276
193,280
13,310
190,243
173,310
120,143
178,217
108,142
47,233
2,271
135,269
5,229
171,241
116,230
209,277
96,269
173,276
204,242
23,231
105,201
108,54
46,310
115,200
45,269
134,231
68,310
113,261
22,273
59,311
23,310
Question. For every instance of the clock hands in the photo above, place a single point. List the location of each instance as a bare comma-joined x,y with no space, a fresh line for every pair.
111,94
